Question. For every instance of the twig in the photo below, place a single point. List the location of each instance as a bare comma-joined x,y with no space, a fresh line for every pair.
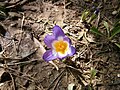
114,84
24,76
18,3
64,15
98,20
56,79
23,19
74,76
9,59
25,62
21,35
108,20
13,82
21,86
29,78
51,62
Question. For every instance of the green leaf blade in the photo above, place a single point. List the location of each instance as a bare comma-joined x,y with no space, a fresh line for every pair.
95,30
115,31
93,72
107,27
118,45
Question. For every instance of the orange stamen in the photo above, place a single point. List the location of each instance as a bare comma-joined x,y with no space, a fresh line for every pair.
60,46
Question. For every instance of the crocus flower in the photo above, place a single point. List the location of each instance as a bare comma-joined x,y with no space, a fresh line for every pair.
59,44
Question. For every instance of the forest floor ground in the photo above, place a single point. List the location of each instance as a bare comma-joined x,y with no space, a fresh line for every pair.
25,23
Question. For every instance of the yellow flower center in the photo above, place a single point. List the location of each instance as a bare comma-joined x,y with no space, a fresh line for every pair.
60,46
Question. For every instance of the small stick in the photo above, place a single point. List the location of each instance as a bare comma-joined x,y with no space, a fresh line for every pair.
56,79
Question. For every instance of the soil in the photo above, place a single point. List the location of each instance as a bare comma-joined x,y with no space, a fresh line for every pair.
25,23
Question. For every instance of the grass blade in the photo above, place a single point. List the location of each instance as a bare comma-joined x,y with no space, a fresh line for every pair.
117,23
117,45
115,31
93,73
84,15
95,30
107,27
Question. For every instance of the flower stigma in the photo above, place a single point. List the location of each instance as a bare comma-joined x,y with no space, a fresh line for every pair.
60,46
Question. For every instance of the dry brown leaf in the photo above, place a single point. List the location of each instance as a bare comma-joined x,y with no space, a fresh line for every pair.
1,71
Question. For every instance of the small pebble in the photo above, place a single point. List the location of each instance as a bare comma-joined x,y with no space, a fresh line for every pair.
118,75
114,12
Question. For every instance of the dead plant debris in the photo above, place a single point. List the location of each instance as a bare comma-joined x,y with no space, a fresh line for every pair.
25,23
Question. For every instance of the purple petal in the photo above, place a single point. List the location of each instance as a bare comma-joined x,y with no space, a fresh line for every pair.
67,39
48,40
48,55
57,31
73,51
61,58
